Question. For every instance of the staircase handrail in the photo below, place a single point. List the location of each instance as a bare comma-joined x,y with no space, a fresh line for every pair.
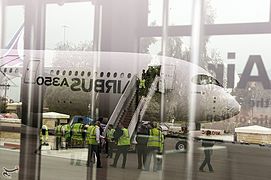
122,102
142,107
152,90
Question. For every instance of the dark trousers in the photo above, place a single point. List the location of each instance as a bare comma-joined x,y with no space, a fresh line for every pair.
152,152
121,150
110,148
141,156
207,160
58,142
96,149
68,143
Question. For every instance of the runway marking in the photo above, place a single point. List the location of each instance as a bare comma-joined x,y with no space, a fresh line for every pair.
174,151
212,148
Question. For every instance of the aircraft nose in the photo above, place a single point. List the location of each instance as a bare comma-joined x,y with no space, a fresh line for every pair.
233,107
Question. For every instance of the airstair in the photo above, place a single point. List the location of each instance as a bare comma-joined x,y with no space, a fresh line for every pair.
126,106
128,110
142,107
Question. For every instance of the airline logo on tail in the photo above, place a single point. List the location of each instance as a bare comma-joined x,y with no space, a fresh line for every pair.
12,56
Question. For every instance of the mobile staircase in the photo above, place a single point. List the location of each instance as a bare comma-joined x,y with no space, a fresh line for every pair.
129,111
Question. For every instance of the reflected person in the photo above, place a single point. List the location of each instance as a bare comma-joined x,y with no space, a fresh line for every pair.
141,146
207,145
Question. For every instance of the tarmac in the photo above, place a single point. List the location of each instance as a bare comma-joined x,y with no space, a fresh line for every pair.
230,162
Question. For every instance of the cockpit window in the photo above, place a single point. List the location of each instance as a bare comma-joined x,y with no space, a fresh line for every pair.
203,79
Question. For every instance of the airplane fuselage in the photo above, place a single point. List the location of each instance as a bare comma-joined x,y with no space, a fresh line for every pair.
102,77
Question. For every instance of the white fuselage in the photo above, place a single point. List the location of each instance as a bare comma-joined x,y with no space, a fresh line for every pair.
105,75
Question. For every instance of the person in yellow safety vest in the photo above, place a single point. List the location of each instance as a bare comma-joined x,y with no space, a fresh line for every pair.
122,146
94,140
58,135
67,135
154,145
142,83
159,160
89,130
77,133
110,140
44,135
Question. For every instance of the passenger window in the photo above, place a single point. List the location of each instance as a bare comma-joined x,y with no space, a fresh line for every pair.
121,75
5,70
70,73
10,70
115,75
82,73
57,72
63,73
108,74
101,74
89,73
16,70
76,73
52,72
129,75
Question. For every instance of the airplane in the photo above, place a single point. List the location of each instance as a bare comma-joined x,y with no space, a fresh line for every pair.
77,75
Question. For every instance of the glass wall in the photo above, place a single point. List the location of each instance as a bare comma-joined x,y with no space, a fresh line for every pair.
155,89
72,24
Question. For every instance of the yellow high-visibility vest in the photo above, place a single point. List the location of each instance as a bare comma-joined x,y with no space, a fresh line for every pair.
142,84
92,135
125,138
154,138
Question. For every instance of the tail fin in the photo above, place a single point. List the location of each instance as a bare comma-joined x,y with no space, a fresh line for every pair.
11,57
14,41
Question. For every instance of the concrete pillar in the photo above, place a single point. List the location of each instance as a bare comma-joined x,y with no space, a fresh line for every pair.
31,93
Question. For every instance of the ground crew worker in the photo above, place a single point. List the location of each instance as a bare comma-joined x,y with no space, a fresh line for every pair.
154,144
142,87
44,135
67,135
58,135
148,78
207,145
94,143
161,150
89,130
142,84
110,140
141,146
122,146
143,75
76,133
